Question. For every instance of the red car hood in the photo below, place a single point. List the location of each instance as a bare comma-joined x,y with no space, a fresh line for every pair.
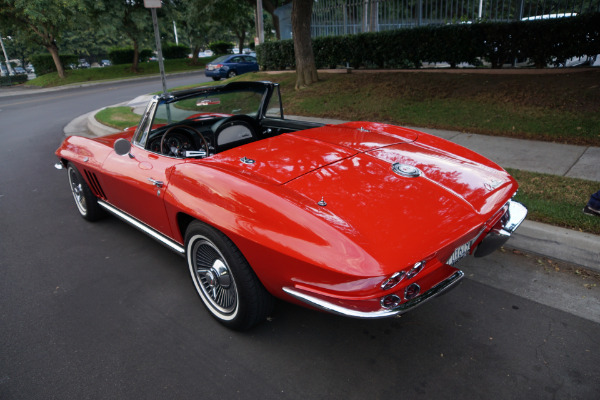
357,158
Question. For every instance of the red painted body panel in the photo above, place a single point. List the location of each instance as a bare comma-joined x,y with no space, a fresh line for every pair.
128,186
375,222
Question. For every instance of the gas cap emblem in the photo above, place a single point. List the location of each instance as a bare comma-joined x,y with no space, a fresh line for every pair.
406,170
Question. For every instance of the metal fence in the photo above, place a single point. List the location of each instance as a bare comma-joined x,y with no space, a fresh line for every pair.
340,17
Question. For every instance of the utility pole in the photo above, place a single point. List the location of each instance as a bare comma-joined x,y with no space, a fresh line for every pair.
175,32
9,68
153,5
260,32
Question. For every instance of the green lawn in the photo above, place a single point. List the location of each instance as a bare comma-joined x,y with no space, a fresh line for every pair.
118,117
557,200
561,108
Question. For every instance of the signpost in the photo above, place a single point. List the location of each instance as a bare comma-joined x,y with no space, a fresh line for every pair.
153,5
260,32
8,67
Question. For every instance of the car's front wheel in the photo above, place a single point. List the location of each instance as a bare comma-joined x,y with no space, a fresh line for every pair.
224,280
231,74
86,202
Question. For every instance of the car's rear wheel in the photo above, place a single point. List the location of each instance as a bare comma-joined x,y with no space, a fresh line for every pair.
224,280
231,74
86,202
216,78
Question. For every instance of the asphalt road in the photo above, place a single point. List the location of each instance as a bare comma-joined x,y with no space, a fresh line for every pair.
100,311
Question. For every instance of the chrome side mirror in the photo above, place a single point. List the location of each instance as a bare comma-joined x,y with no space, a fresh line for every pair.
122,146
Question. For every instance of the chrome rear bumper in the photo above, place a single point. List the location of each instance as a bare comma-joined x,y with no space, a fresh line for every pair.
325,305
500,233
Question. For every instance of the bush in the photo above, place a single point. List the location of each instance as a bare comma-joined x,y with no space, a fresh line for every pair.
172,51
276,55
220,47
544,42
124,55
44,63
12,80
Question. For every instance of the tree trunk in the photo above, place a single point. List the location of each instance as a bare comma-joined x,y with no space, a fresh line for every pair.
270,8
276,26
195,52
306,71
47,40
241,39
136,57
53,49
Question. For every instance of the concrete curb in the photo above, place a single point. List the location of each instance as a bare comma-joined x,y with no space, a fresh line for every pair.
99,129
558,243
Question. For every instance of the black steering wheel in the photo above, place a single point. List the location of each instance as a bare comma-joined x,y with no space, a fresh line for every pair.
181,130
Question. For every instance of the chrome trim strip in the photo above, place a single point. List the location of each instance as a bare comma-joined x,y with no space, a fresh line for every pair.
400,309
143,227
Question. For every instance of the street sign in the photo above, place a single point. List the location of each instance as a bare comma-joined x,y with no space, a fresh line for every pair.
152,3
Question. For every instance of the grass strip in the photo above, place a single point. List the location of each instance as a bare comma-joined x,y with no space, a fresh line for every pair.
557,200
118,117
557,108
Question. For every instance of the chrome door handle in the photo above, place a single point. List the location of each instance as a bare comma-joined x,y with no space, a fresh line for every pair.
156,183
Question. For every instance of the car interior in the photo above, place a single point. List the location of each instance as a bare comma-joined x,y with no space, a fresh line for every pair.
208,124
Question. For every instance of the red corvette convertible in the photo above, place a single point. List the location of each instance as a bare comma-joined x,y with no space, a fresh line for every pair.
361,219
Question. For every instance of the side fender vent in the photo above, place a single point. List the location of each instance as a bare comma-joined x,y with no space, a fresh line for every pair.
95,184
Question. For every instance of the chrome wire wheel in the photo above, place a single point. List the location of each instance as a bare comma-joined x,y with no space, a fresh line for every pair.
223,278
213,278
78,190
86,202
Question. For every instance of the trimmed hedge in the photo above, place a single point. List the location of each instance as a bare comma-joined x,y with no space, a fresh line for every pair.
551,41
124,55
12,80
280,54
44,63
173,51
220,47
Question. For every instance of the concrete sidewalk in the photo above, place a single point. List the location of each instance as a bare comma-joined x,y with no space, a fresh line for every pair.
567,245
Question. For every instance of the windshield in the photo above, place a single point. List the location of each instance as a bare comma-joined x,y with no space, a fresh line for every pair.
209,105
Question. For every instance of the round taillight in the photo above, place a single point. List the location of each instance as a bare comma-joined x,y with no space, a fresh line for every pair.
412,291
393,280
418,267
390,301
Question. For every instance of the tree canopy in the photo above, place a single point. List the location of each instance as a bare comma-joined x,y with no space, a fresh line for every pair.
90,28
40,21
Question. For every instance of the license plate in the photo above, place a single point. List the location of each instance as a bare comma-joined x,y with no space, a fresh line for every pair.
460,252
211,67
